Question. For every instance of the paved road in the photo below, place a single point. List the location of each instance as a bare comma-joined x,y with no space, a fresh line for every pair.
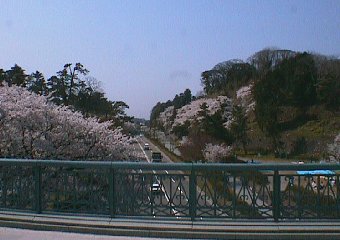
175,186
206,206
174,195
23,234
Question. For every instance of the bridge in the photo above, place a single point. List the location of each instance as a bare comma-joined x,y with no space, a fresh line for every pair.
172,200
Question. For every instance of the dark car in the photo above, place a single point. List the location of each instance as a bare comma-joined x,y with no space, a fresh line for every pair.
156,157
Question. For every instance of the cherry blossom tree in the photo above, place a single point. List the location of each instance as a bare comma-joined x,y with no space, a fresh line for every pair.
334,148
216,152
191,111
33,127
244,97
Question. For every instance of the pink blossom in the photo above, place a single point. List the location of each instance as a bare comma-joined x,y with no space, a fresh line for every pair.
191,111
245,98
216,153
334,148
33,127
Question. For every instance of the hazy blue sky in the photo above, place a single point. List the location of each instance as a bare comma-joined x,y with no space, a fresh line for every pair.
147,51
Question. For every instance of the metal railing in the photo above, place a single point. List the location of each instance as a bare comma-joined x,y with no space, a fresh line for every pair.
189,191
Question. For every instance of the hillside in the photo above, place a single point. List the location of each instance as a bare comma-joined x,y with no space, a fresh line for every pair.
278,103
172,118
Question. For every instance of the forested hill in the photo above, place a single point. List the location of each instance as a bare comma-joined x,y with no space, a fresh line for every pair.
276,101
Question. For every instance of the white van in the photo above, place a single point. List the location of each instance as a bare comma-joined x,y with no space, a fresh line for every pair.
146,146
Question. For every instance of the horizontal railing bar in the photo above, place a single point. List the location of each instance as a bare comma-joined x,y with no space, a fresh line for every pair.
56,163
15,162
171,166
266,166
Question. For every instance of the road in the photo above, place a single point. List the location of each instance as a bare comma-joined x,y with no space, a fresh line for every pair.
173,198
137,198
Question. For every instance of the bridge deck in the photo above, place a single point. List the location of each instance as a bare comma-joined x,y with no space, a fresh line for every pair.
201,229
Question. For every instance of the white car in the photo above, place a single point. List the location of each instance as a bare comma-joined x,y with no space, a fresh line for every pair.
156,188
146,146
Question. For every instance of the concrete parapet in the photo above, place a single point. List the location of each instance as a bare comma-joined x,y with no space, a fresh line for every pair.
154,227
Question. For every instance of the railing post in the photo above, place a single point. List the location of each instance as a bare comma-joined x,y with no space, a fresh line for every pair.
4,189
37,184
276,197
192,195
338,196
234,201
112,199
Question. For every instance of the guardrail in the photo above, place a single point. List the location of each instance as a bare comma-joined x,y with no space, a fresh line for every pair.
189,191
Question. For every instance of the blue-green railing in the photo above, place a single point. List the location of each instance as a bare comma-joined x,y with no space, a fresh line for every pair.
228,191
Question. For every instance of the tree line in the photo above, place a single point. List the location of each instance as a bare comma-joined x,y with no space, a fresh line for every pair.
298,82
282,80
178,101
300,79
71,86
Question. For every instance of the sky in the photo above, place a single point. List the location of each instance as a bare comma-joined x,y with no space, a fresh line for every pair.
144,52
